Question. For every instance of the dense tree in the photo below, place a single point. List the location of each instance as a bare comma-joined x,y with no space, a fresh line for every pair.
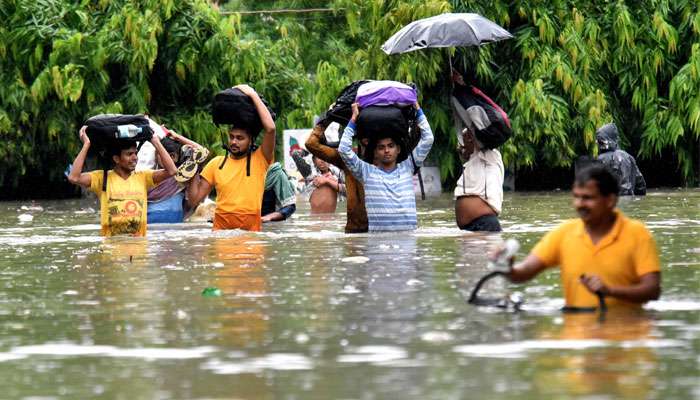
571,67
63,61
575,65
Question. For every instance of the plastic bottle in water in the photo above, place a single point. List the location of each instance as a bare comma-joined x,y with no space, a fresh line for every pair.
502,262
128,131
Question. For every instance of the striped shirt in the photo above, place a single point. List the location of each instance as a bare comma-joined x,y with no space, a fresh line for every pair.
389,196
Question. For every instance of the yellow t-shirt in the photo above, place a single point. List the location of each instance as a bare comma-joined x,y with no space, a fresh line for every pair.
235,192
123,205
620,258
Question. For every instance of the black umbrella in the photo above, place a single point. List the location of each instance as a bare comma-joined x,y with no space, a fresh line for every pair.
445,30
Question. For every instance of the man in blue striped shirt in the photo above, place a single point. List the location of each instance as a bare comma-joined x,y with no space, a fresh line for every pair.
389,196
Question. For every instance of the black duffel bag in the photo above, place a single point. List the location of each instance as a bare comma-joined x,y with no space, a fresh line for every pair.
491,124
399,123
106,130
233,107
341,110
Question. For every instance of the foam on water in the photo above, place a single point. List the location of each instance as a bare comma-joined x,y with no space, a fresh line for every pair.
438,232
355,260
85,227
437,337
529,228
75,350
673,305
306,235
11,357
42,240
521,349
373,354
272,361
349,289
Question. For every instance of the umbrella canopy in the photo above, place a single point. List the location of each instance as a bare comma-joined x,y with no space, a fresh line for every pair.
445,30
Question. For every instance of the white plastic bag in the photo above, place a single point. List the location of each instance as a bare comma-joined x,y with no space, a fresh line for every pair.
147,153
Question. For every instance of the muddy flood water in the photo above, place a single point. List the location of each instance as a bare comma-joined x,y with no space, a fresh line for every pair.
307,312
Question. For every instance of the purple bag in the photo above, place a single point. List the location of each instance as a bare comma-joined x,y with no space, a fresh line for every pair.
385,93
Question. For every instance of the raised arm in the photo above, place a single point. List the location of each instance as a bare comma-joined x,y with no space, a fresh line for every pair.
359,168
181,139
325,153
170,168
426,138
269,130
76,176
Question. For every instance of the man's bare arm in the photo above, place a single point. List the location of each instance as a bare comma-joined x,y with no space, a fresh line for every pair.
269,129
648,288
325,153
526,269
170,168
76,175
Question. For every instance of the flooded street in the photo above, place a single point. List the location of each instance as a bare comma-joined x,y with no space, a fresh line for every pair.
307,312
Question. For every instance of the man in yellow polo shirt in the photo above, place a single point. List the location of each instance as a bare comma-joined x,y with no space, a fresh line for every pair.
240,181
601,252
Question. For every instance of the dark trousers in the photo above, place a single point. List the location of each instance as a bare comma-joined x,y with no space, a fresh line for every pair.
485,223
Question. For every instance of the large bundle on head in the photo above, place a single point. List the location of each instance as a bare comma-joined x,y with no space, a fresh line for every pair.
487,119
109,131
387,111
341,109
387,106
235,108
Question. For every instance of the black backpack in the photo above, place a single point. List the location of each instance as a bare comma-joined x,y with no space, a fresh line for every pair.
341,109
497,129
398,122
233,107
401,123
103,131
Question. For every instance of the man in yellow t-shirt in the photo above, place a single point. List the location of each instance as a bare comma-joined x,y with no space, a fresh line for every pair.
603,252
240,179
123,204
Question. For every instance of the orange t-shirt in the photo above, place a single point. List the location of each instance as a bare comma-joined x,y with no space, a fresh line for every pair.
237,193
123,205
620,258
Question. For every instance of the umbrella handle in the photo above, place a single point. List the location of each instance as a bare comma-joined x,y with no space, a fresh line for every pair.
449,58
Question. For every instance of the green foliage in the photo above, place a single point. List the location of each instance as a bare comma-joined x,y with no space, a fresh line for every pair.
571,67
63,61
576,65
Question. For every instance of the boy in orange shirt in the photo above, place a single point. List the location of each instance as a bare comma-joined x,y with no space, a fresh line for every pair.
240,182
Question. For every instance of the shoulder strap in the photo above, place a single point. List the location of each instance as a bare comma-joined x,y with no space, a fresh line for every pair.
492,103
225,146
247,162
416,170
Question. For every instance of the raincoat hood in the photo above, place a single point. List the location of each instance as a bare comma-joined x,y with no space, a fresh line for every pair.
607,138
